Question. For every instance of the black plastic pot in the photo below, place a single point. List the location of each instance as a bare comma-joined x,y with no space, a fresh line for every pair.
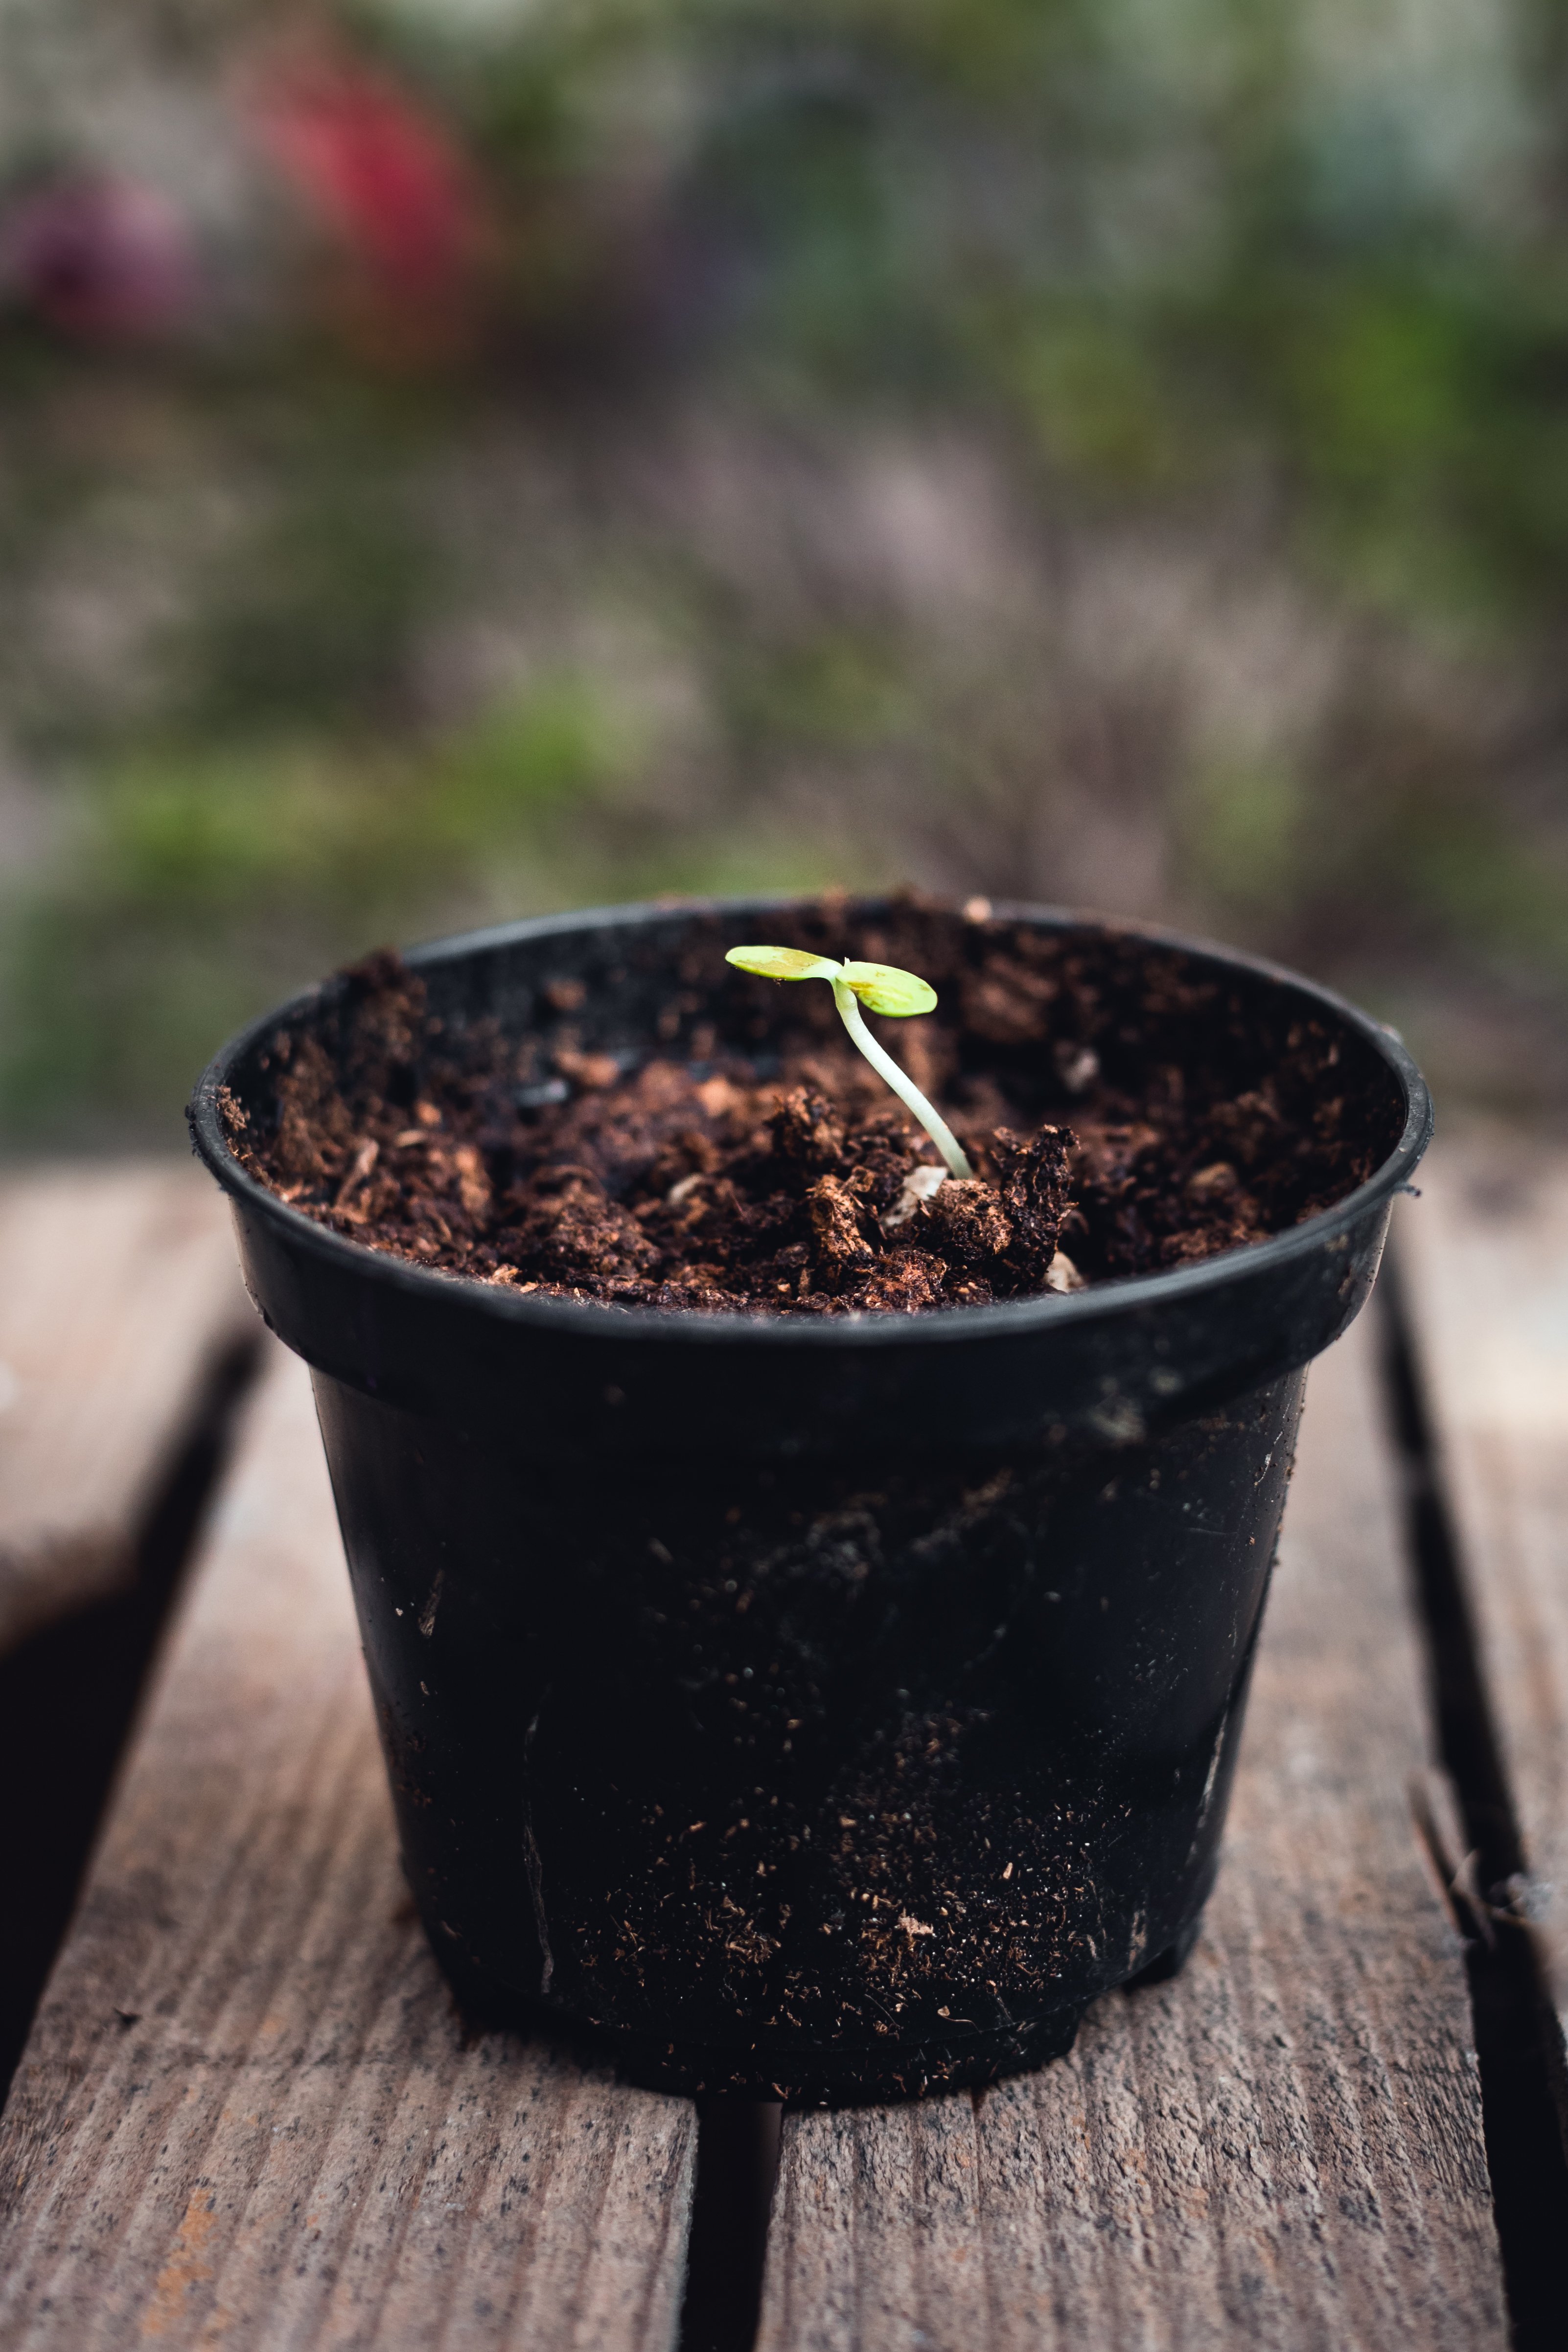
818,1708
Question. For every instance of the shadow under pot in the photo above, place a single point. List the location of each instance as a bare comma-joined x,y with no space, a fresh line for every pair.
818,1707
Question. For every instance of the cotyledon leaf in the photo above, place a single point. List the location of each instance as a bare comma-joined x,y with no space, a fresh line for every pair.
881,987
783,963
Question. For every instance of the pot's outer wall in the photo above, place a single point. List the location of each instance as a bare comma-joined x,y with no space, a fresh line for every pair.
842,1783
827,1708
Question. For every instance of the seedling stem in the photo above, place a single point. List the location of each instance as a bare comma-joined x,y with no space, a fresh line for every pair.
886,990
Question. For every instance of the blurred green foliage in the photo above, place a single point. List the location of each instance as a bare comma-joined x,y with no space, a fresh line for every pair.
207,867
1028,446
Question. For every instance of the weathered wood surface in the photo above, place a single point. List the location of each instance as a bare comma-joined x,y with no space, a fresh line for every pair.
247,2115
1282,2148
117,1290
1486,1256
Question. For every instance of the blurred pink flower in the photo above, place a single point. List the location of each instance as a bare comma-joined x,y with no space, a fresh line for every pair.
383,174
104,258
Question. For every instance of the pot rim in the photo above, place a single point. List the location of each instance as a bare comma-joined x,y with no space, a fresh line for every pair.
689,1326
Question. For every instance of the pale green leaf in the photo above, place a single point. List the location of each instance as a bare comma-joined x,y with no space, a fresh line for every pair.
785,963
883,988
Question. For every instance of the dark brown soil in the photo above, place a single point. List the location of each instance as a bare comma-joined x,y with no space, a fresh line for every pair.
1122,1115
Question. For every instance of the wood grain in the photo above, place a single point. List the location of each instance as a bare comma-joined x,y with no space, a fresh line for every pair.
118,1289
247,2115
1282,2148
1485,1251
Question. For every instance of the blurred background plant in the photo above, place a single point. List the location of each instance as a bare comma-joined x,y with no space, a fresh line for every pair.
466,457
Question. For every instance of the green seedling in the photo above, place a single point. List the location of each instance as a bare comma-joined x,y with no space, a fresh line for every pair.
882,988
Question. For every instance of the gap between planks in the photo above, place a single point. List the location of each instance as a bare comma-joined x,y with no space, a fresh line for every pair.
125,1338
68,1699
1473,1840
117,1294
1486,1251
1480,1361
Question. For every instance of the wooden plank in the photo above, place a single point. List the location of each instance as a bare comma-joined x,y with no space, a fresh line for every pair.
1486,1257
1282,2148
117,1290
247,2114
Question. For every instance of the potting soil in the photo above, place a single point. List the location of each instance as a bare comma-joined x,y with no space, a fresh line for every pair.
1124,1110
